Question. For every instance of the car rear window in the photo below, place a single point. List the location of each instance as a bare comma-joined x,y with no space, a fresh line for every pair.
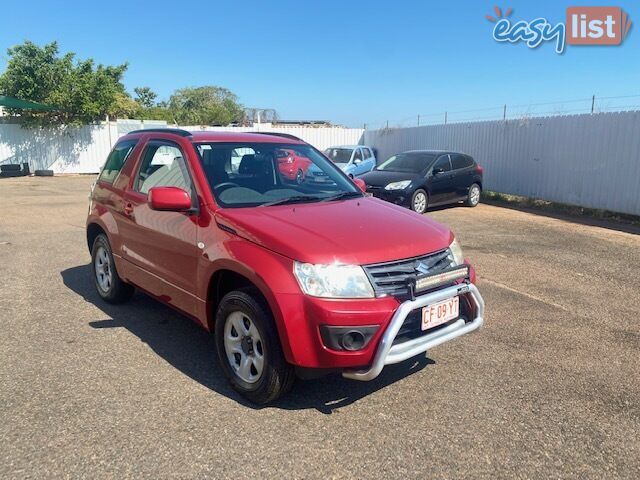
116,160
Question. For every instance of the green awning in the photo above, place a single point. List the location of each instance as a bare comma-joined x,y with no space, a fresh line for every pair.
11,102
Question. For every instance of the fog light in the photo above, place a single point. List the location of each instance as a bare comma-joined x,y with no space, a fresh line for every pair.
347,338
353,340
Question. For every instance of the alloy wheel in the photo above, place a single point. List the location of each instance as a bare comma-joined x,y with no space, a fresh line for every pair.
244,347
474,195
420,202
103,269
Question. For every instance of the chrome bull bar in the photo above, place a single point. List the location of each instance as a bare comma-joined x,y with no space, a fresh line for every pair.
388,353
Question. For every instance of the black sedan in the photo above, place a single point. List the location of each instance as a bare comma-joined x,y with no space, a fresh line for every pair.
426,178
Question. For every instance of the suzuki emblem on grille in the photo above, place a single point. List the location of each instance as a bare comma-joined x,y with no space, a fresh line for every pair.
422,267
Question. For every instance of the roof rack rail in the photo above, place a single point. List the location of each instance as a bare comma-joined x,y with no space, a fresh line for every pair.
277,134
175,131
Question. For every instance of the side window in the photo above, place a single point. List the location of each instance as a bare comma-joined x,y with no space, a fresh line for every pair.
366,153
460,161
357,156
443,163
162,166
469,161
116,160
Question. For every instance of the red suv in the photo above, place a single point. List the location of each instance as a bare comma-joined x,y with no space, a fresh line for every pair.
291,278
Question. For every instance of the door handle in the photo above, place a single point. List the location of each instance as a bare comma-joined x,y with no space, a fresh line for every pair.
128,209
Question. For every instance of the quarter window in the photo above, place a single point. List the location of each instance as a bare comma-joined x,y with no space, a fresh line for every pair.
162,166
116,160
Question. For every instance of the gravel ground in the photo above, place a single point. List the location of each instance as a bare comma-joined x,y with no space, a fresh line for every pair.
548,388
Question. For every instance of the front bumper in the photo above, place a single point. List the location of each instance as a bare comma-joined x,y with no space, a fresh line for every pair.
387,353
399,197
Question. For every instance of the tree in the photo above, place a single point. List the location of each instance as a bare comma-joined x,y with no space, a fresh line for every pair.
208,105
145,96
82,91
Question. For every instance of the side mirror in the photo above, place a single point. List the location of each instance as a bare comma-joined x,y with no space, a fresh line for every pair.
172,199
438,170
360,184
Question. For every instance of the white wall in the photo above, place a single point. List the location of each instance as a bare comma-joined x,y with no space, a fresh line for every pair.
84,149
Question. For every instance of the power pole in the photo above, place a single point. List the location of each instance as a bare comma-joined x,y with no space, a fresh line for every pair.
593,103
504,112
445,118
418,120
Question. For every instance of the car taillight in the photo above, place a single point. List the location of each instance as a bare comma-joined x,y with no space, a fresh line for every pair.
289,160
479,169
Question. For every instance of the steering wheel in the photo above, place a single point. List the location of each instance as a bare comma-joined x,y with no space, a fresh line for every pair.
223,186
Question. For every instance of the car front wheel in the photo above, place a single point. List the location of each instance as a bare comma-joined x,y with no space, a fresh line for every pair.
249,348
419,201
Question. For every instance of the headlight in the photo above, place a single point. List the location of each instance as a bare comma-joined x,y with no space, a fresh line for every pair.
333,281
456,253
398,185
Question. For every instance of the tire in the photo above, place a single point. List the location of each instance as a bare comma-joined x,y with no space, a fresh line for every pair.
109,285
245,314
11,174
351,176
473,198
43,173
299,177
10,167
418,205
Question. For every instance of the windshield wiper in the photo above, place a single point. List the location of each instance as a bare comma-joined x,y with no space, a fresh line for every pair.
342,196
294,199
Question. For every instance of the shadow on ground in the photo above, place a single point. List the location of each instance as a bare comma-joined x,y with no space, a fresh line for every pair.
191,349
622,225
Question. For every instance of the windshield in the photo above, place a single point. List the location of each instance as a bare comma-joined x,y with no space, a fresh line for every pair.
339,155
253,174
410,162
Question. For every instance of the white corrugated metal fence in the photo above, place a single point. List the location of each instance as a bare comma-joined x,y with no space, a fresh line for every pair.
586,160
85,149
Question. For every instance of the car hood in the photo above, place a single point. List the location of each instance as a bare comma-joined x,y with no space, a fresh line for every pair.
355,231
378,178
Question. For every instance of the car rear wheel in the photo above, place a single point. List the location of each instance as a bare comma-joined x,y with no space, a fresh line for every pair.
249,349
473,198
419,201
299,177
108,283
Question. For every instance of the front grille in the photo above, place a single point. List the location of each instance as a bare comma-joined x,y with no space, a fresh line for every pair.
391,278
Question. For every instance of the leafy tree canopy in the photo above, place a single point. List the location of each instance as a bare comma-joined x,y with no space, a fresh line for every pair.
83,92
205,106
145,96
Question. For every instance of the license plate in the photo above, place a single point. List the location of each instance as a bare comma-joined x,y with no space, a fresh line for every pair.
439,313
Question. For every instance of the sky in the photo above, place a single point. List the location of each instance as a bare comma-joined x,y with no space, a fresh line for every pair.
349,62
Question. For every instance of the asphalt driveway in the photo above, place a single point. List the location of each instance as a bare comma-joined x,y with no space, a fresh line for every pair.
550,387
